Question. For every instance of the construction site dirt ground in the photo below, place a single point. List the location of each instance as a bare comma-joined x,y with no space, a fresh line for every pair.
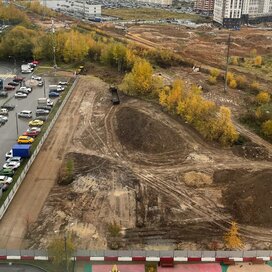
143,169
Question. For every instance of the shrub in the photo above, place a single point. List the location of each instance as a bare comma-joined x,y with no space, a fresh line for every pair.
263,97
214,72
233,84
241,82
255,86
212,80
267,128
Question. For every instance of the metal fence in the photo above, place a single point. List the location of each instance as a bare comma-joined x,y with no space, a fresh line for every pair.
16,186
141,255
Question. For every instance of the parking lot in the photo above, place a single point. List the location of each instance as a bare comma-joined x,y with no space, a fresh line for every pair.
8,132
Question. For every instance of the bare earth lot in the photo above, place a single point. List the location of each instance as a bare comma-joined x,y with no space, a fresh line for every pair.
149,173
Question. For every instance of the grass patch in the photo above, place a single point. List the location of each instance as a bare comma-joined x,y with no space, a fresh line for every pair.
149,14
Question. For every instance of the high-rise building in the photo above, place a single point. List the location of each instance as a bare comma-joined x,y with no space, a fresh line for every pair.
231,13
204,6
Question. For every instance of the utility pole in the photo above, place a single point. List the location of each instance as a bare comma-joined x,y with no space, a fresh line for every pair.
44,91
227,66
54,46
17,128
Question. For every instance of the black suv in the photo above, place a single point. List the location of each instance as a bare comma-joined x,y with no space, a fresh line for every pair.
3,94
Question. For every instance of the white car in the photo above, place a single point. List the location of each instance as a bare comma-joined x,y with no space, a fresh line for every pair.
25,114
15,159
12,165
23,89
38,78
9,154
49,102
5,179
5,118
28,71
63,82
34,129
20,95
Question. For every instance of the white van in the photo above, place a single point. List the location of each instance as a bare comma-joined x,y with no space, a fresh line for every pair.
25,114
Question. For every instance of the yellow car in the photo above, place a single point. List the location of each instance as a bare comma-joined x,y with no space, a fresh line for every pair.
35,123
25,140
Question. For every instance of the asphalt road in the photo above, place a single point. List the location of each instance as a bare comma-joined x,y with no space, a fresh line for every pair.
8,132
19,268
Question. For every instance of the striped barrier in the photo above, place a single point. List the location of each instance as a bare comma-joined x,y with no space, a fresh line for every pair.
228,257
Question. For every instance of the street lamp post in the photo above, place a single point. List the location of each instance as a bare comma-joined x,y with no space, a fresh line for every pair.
44,91
17,127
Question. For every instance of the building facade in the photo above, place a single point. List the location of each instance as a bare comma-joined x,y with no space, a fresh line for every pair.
231,13
159,2
204,6
85,9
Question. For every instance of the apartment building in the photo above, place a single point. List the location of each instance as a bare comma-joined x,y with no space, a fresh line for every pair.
231,13
85,9
204,6
160,2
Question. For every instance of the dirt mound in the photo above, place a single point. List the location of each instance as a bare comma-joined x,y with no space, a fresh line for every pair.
251,151
137,131
248,195
197,179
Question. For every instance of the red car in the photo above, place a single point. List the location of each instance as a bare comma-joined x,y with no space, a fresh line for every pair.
35,62
9,88
31,133
18,79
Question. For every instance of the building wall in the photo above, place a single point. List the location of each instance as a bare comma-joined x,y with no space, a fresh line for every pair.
160,2
204,6
83,8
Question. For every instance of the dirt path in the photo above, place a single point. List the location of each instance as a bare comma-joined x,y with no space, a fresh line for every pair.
41,177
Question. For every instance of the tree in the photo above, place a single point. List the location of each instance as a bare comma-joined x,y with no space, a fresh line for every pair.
234,60
255,86
233,84
232,239
263,97
214,72
241,81
223,128
267,128
61,249
258,61
230,77
212,80
141,80
175,94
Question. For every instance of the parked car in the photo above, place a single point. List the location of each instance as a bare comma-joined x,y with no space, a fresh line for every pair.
44,108
12,165
42,112
42,117
35,123
27,71
5,179
18,79
7,172
2,121
40,83
9,107
4,112
13,83
3,94
53,94
63,82
22,91
16,159
25,114
4,187
25,140
20,95
5,118
38,78
28,89
9,154
9,88
32,132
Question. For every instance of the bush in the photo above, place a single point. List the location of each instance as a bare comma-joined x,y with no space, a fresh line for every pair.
234,60
267,128
233,84
214,73
212,80
241,82
263,97
255,86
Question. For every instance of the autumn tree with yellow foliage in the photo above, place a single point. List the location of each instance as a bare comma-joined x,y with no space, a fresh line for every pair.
141,80
263,97
232,238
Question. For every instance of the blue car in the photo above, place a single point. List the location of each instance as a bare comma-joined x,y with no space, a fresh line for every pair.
54,94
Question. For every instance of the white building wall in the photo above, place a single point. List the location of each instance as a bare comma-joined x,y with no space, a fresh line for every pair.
218,11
